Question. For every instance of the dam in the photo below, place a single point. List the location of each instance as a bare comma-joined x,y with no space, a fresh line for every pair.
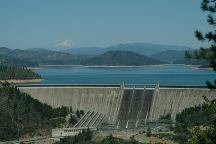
125,106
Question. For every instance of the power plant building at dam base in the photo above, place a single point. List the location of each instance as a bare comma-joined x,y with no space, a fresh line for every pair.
122,105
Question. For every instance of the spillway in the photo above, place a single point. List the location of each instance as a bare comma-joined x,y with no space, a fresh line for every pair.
136,104
123,106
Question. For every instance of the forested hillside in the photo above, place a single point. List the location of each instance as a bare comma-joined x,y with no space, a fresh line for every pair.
123,54
33,57
121,58
21,114
7,60
188,119
15,61
17,73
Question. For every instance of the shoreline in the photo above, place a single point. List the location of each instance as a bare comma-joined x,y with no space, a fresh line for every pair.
107,66
210,69
15,81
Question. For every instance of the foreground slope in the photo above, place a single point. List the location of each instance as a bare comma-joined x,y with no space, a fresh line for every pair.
21,114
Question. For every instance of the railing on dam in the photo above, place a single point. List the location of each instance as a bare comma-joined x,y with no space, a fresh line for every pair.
137,86
68,85
182,86
126,86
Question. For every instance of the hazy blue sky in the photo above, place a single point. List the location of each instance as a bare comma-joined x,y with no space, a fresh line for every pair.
80,23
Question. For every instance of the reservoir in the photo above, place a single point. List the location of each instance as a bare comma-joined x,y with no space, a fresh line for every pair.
166,75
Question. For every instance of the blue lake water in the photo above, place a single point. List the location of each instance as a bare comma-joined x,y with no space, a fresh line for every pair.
168,75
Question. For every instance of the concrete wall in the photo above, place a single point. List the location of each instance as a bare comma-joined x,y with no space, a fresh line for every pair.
104,100
175,100
126,107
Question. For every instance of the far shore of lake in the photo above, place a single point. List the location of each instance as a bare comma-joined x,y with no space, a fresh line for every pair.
15,81
113,66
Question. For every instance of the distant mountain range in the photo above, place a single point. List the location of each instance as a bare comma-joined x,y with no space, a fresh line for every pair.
140,48
131,54
34,57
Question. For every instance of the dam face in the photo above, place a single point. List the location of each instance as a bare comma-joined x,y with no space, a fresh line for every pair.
122,106
100,99
175,100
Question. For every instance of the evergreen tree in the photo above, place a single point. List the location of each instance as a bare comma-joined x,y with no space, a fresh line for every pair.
72,119
207,135
21,114
82,112
208,53
78,113
17,73
148,133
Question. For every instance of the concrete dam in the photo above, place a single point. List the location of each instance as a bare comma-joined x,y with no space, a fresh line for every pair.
123,106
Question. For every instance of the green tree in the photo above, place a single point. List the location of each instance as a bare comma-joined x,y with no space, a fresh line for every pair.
111,139
89,134
207,134
148,133
18,73
78,113
72,119
82,112
207,53
21,114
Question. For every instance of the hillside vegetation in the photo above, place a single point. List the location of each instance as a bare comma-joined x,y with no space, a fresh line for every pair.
7,60
121,58
189,119
169,55
21,114
122,54
35,57
17,73
86,137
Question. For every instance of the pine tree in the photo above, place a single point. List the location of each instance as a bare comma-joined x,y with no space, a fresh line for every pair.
148,133
78,113
207,53
207,135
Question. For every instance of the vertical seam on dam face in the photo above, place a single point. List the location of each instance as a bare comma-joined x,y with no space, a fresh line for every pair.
154,99
118,111
124,107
